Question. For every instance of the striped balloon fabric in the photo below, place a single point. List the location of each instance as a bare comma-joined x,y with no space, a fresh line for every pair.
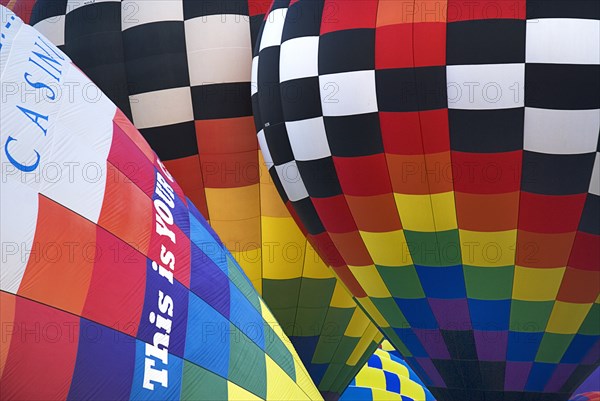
386,377
180,69
112,284
443,156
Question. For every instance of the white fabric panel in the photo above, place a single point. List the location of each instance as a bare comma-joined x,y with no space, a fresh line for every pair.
18,215
486,86
561,131
273,29
218,40
7,36
254,77
262,142
348,93
164,107
53,28
308,139
595,181
299,58
563,41
82,138
135,12
289,175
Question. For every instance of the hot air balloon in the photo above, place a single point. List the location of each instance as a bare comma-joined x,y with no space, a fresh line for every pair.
443,157
112,284
594,396
386,377
181,71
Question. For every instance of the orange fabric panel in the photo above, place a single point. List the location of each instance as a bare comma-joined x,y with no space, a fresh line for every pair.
497,212
228,135
186,171
543,250
59,269
127,211
376,213
7,318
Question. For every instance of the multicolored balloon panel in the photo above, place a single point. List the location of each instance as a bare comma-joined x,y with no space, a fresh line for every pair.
443,157
113,286
181,71
386,377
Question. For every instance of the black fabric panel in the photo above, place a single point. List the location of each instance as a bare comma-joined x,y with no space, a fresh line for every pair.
471,376
562,86
172,141
278,185
155,56
467,395
448,369
278,143
303,19
308,215
200,8
44,9
221,101
411,89
578,376
486,131
590,218
556,174
92,20
320,177
490,41
492,375
460,343
269,98
255,30
589,9
301,99
356,135
348,50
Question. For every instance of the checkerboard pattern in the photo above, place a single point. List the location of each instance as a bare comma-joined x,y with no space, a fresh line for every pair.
181,69
386,377
443,157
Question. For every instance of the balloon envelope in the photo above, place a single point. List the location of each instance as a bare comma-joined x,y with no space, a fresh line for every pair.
181,71
443,157
112,285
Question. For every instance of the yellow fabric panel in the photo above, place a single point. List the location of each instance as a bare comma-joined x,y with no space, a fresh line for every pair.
238,235
373,312
236,393
239,203
415,212
341,298
314,266
281,387
444,211
394,367
387,249
411,389
533,284
566,317
283,248
370,377
362,345
271,203
358,324
386,346
251,263
488,249
370,281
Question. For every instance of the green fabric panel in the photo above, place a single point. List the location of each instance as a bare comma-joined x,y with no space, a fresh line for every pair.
402,281
489,283
238,278
553,347
199,384
435,249
530,317
389,308
247,365
279,353
591,324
